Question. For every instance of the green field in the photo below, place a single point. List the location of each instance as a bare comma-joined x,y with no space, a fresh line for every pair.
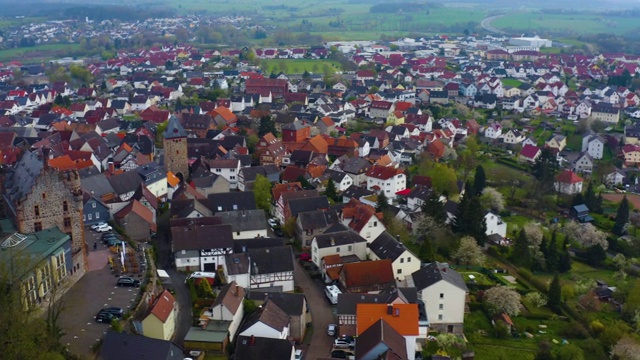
299,66
511,82
38,53
568,23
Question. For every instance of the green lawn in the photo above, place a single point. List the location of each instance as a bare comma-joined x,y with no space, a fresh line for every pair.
38,53
568,23
511,82
478,278
299,66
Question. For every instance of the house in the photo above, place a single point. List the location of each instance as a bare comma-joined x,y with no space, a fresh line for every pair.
615,178
529,153
311,223
404,261
245,224
94,210
493,131
198,245
293,304
228,307
268,321
340,179
260,348
236,268
210,183
606,113
342,243
137,221
594,145
631,155
584,163
271,268
513,137
381,109
631,134
160,323
568,183
125,346
418,197
443,292
495,225
366,276
228,169
386,319
556,142
388,180
362,219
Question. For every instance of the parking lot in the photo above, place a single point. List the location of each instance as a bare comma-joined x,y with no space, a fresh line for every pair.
97,289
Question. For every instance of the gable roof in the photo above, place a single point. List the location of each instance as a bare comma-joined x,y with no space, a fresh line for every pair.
230,296
338,239
383,172
394,344
260,348
435,272
163,306
402,317
569,177
291,303
142,211
368,273
124,346
269,314
269,260
386,246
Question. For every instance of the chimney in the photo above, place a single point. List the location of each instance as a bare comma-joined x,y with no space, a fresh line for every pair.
252,341
112,167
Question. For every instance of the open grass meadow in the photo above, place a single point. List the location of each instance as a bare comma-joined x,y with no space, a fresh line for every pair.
38,53
591,23
299,66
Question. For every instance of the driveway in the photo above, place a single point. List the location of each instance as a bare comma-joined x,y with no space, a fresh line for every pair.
95,290
321,313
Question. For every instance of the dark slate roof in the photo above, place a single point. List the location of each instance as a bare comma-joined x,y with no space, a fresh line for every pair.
435,272
260,348
420,192
338,239
291,304
357,192
242,245
356,166
97,185
125,182
271,260
348,302
244,220
336,176
174,129
381,338
317,219
269,314
201,237
386,246
231,201
308,204
123,346
21,180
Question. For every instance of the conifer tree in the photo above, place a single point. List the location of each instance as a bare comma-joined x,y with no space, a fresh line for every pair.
555,293
480,180
622,218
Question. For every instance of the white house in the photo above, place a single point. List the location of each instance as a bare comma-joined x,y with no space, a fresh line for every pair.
594,145
236,269
513,136
495,225
228,169
362,219
271,268
202,247
443,291
493,131
584,163
228,307
246,224
388,180
404,262
568,183
343,243
269,321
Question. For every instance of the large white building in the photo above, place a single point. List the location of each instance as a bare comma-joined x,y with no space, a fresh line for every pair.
388,180
534,41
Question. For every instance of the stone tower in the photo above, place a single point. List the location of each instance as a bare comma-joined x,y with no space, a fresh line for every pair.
175,148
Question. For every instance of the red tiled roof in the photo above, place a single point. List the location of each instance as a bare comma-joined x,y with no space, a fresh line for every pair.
403,317
163,306
383,172
368,273
569,177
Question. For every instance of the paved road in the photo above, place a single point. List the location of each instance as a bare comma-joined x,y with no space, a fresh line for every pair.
95,290
486,24
320,311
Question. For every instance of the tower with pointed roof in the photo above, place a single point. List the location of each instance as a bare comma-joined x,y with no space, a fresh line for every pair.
175,148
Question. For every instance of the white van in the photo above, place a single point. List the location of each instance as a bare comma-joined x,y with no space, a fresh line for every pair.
332,293
201,275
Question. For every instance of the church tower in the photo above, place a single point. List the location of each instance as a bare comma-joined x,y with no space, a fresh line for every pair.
175,148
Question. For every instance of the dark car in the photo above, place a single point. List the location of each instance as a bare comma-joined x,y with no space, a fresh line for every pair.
128,281
105,317
278,232
340,354
115,311
106,238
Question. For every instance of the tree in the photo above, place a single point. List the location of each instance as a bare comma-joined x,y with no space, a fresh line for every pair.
520,253
479,180
555,293
622,218
443,178
503,299
262,192
383,203
544,170
469,252
634,220
492,199
266,126
570,352
304,182
536,299
595,255
590,198
204,290
586,234
627,348
447,341
330,191
467,161
470,218
434,208
565,262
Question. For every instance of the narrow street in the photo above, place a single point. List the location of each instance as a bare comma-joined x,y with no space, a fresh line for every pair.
162,242
320,311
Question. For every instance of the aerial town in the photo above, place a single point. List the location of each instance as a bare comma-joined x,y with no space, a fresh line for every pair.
438,197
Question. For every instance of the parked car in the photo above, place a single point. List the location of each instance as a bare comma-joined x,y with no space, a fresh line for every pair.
278,232
298,355
305,257
103,228
273,222
128,281
331,329
114,242
105,317
343,343
97,225
115,311
341,354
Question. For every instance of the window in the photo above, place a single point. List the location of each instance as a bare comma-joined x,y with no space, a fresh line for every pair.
232,177
441,307
37,226
441,295
36,210
94,205
375,223
338,249
349,248
238,233
44,196
218,170
233,170
409,259
97,215
440,317
89,217
399,271
61,269
401,260
67,222
65,206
